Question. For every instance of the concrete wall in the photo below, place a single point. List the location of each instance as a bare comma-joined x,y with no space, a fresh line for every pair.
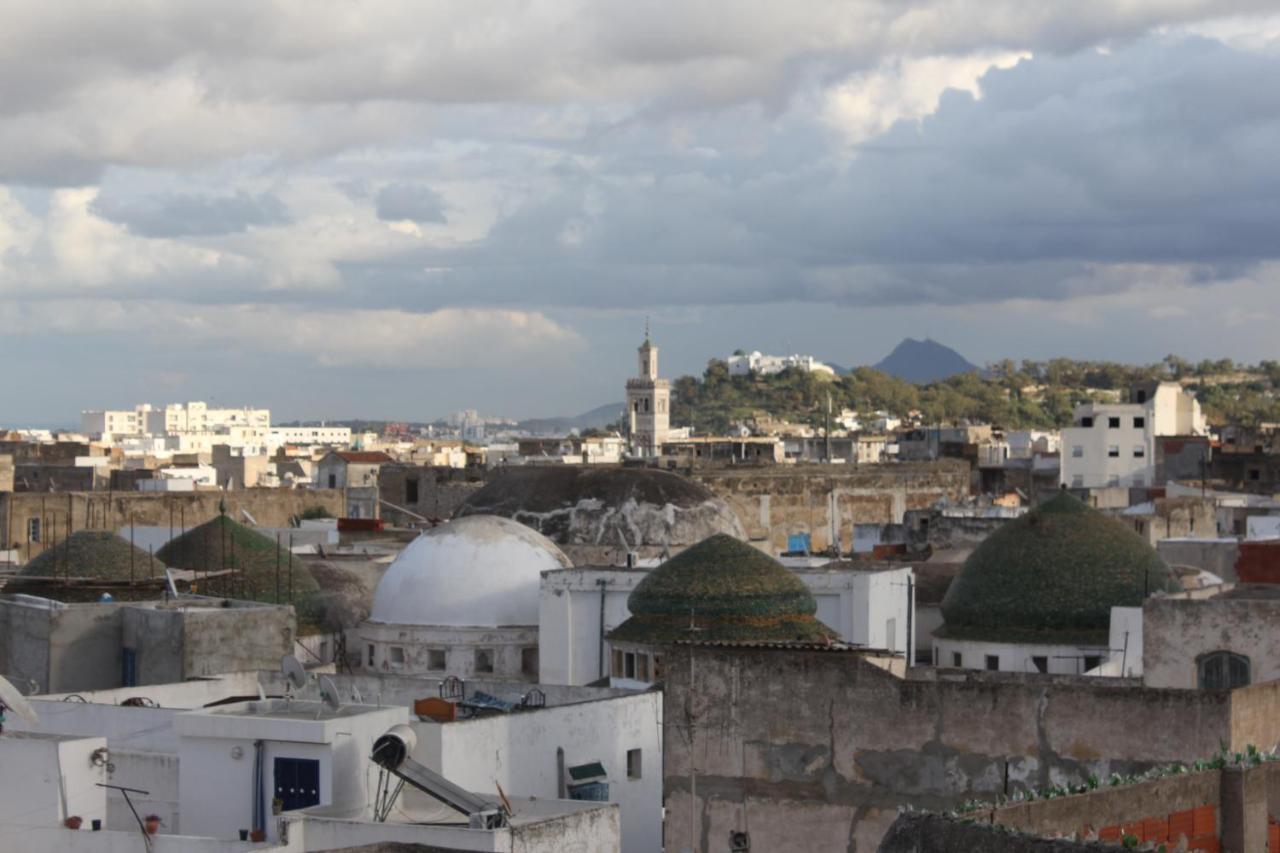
1217,556
109,511
519,752
826,746
440,491
921,832
176,644
63,648
1176,631
415,643
826,503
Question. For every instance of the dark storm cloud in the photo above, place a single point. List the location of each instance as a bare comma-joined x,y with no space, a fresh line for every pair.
192,215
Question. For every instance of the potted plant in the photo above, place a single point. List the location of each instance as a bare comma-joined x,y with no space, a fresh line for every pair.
153,823
73,821
258,835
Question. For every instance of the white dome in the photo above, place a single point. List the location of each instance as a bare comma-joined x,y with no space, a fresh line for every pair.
480,570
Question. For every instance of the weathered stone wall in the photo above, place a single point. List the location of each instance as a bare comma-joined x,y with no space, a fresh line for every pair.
921,832
1176,631
439,491
825,746
62,513
827,501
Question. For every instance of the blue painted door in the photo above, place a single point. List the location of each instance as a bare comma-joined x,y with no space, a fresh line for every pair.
297,782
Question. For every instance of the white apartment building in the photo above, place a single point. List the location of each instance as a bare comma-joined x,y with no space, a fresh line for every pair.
196,427
765,365
309,435
1113,444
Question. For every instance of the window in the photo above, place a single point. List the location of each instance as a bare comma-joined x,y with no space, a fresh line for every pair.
993,663
1092,662
333,481
1040,662
588,782
396,655
1254,474
371,654
1086,421
484,660
616,668
411,490
1113,423
1077,451
633,764
1139,451
436,659
33,530
529,661
1113,451
1223,671
956,660
629,665
1077,481
1113,481
642,668
1139,423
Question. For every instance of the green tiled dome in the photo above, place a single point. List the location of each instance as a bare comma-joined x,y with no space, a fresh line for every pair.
730,591
223,543
93,554
1052,576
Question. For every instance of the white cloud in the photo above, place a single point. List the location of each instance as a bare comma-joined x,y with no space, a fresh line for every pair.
450,338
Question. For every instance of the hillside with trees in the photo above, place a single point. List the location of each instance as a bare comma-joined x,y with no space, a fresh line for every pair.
1026,394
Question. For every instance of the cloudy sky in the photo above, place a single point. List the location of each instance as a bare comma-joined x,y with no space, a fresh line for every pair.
400,209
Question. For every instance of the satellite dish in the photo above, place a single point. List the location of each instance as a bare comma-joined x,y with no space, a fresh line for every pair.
294,672
329,693
355,695
17,703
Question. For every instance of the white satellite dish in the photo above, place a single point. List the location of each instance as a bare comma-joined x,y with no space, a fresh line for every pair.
16,702
329,693
293,671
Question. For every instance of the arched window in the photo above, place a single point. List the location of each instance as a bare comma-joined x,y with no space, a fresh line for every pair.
1223,671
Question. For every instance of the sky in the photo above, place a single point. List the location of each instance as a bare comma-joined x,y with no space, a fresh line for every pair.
400,209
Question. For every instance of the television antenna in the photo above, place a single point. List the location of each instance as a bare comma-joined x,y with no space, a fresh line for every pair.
14,701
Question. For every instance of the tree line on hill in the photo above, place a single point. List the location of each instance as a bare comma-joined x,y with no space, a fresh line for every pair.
1014,395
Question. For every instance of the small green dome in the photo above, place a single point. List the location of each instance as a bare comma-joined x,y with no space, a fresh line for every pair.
1052,576
730,591
262,567
98,554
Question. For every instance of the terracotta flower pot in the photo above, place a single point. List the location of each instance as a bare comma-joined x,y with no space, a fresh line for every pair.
73,822
153,825
258,835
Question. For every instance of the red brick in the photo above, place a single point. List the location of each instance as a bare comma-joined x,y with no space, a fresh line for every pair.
1206,821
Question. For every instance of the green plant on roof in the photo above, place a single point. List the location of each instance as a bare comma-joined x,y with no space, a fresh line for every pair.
314,512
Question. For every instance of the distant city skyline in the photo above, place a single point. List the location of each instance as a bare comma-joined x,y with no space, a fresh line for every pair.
350,215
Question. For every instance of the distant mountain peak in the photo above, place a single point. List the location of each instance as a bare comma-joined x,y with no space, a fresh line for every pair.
923,361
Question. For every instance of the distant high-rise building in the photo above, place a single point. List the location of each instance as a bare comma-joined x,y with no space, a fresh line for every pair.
648,404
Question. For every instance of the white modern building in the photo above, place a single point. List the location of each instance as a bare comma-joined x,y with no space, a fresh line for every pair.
309,436
461,600
1113,444
745,364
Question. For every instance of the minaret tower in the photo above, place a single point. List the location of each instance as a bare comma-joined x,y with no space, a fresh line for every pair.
648,403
